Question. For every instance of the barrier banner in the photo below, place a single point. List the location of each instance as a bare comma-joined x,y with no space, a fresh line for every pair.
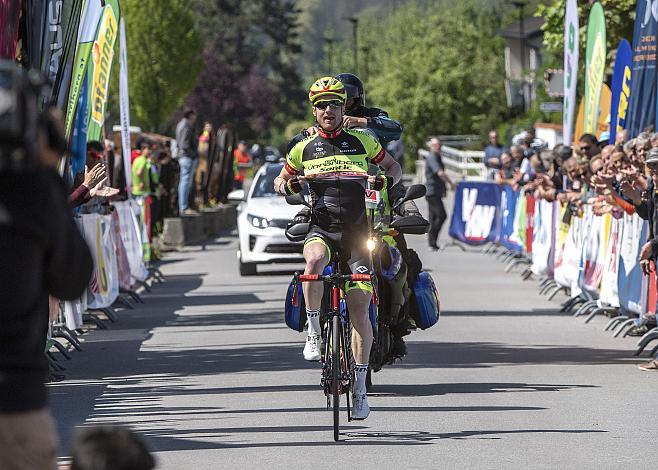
104,285
10,13
120,250
594,67
476,215
530,220
131,238
593,253
508,200
621,88
642,103
73,314
561,229
567,273
550,270
630,280
541,241
570,69
518,236
609,279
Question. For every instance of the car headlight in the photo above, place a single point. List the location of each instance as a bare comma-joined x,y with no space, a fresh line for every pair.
371,244
258,222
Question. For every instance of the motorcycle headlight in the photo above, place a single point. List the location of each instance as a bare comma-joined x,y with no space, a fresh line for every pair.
371,244
258,222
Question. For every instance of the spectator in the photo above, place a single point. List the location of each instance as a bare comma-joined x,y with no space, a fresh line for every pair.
506,174
241,164
516,151
110,448
492,152
43,254
168,174
140,172
436,180
201,174
588,145
187,159
621,137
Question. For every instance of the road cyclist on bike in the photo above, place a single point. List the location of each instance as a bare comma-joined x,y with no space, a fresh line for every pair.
334,163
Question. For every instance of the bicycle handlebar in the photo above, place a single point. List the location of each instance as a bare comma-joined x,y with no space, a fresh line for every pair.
345,277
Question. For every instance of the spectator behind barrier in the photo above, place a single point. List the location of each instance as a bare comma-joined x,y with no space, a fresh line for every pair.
110,448
43,254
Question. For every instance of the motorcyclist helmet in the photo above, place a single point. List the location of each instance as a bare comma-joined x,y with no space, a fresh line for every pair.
389,272
354,87
327,89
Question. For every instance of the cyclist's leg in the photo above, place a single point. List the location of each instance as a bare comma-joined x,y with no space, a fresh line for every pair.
359,294
317,253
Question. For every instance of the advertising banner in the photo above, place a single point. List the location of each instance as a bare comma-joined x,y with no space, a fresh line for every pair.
9,16
621,89
642,103
609,279
518,236
567,273
100,65
508,201
91,13
476,215
630,280
125,281
570,69
104,285
79,137
124,105
602,124
541,242
594,66
132,239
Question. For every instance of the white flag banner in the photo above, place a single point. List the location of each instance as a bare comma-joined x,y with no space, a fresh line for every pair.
570,70
541,242
609,292
124,106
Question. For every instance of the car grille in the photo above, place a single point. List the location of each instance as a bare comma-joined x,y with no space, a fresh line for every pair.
286,248
280,223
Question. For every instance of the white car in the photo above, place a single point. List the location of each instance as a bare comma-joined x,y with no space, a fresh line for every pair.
262,222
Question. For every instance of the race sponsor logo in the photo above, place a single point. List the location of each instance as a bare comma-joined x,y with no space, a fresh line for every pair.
478,219
102,54
362,269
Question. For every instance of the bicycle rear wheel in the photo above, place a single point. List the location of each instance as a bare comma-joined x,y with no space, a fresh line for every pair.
335,371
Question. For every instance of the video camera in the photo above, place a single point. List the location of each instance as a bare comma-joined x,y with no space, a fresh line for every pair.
19,117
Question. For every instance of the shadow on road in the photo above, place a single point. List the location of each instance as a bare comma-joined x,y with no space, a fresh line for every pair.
425,390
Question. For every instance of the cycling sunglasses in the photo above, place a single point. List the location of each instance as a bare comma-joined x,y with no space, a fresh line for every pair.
334,104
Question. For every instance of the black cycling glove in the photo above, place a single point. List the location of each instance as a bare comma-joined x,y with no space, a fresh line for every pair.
293,186
381,182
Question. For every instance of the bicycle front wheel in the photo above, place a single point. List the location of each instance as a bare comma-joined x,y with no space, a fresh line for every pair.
335,369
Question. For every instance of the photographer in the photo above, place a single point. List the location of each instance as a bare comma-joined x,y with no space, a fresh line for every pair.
42,254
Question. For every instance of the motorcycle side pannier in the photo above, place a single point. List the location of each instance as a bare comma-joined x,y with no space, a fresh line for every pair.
425,304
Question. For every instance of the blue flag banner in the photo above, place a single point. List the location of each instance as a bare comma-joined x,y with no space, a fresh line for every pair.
508,199
79,138
621,88
642,105
476,216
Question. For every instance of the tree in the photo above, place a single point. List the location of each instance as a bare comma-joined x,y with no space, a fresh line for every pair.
164,57
250,77
439,70
619,21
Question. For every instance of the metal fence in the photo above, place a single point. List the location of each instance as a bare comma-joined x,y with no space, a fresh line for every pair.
460,163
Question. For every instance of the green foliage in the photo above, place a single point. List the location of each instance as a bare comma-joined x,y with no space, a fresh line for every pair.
164,58
619,20
437,67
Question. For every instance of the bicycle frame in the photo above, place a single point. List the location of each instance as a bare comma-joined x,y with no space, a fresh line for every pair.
337,364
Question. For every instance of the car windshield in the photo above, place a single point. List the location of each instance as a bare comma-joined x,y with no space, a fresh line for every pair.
264,185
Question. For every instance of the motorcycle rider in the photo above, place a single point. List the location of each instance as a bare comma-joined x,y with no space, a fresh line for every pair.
335,163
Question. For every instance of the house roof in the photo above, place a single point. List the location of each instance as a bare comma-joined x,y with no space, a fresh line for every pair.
531,28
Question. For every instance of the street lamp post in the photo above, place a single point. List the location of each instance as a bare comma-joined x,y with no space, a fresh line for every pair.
355,27
520,4
330,54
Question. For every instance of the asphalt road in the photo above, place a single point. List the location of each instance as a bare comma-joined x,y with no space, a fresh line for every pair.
209,374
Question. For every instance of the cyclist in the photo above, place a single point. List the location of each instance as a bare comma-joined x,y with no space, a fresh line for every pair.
335,164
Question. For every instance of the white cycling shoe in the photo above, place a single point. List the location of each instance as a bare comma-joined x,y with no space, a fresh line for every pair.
312,348
360,408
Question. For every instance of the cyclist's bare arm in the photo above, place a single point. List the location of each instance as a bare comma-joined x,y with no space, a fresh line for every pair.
391,167
281,180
